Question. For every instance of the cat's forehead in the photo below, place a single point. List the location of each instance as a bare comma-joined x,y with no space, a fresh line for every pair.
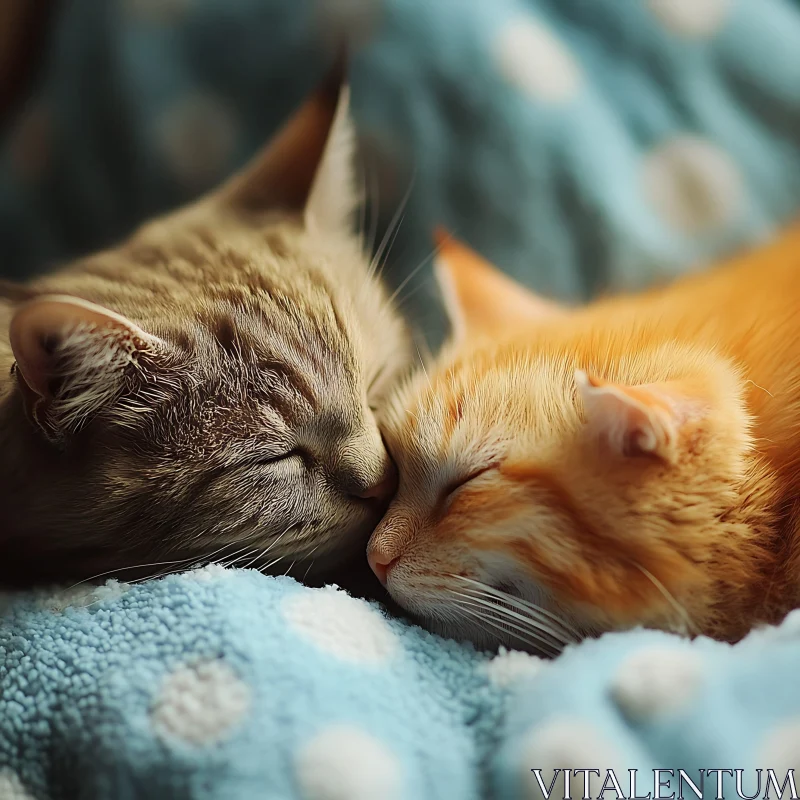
285,282
270,350
228,407
266,329
478,405
235,378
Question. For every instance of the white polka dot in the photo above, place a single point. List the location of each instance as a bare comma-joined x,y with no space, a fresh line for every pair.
533,59
200,703
780,751
511,666
340,625
344,763
790,627
207,574
75,597
788,630
111,590
196,138
566,744
82,596
692,185
656,681
11,787
692,18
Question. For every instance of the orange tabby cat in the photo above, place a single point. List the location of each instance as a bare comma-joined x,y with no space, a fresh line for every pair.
633,462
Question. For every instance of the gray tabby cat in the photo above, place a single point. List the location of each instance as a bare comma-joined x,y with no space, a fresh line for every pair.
210,385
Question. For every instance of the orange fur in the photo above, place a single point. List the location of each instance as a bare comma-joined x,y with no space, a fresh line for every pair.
636,461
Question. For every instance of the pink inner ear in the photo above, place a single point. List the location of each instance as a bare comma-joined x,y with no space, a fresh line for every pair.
40,324
634,420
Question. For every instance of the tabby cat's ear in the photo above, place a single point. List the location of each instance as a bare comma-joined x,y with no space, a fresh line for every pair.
642,420
72,358
308,166
479,298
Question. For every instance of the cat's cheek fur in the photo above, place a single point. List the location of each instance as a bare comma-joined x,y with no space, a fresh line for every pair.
517,534
589,529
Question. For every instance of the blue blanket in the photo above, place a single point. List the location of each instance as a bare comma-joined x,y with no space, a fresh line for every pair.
229,685
579,144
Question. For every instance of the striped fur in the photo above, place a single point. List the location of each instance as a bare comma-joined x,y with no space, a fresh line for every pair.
242,422
511,478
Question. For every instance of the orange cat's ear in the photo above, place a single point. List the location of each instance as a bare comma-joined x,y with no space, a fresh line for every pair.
70,359
308,166
635,420
479,298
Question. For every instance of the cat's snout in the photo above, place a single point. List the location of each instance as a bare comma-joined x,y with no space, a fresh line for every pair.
388,544
380,489
380,564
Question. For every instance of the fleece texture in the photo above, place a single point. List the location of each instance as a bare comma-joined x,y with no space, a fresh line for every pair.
229,685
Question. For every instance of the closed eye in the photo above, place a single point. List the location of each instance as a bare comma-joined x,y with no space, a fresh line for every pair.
457,484
267,461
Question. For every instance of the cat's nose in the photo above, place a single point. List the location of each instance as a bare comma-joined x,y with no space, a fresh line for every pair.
381,490
381,564
390,541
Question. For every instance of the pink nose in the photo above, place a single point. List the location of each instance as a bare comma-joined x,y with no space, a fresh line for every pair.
381,564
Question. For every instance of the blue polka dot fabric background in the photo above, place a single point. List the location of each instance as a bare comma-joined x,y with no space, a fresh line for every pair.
224,684
580,144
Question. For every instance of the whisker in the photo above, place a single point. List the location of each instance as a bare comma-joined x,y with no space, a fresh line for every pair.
508,613
528,611
259,554
385,255
766,391
393,227
206,556
289,568
682,613
536,644
135,566
424,370
401,301
411,275
458,618
238,555
528,622
432,254
311,562
196,561
271,564
275,541
523,605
